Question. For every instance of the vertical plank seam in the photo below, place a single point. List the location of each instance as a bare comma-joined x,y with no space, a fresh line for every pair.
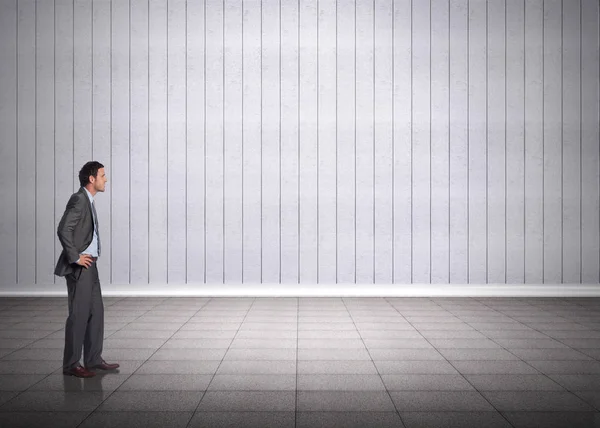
243,168
299,199
54,132
524,143
129,172
261,141
543,129
35,146
336,142
580,147
355,171
468,135
17,142
505,151
280,141
487,134
111,137
204,81
393,142
167,124
449,142
186,141
223,148
562,144
148,143
317,166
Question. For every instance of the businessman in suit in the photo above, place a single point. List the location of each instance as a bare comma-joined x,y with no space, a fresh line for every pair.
80,238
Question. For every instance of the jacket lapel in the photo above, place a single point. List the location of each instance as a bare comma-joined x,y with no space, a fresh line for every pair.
89,204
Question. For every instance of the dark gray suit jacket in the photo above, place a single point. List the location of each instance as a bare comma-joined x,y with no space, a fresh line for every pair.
75,232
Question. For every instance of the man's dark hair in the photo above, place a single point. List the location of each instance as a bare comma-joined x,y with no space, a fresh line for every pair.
90,168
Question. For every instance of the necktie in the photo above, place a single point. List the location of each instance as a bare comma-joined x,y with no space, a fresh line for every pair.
96,224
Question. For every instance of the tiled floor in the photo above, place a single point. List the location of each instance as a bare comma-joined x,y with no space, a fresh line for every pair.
310,362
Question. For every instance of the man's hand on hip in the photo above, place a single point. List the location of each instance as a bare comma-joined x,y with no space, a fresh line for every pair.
85,260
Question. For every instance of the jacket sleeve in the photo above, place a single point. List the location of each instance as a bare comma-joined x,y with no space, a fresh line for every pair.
67,224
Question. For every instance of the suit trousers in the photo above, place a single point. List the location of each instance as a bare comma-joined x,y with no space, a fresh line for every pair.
85,324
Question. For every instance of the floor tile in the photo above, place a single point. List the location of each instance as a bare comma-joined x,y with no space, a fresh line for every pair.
307,367
348,420
529,401
29,419
422,401
145,401
426,382
137,419
553,419
243,419
54,401
230,401
340,382
240,367
344,401
102,382
184,367
253,382
512,382
19,382
166,382
494,367
451,419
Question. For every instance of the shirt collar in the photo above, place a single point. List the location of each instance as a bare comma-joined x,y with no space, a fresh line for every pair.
91,198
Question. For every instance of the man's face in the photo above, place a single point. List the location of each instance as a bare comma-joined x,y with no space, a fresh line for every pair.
99,182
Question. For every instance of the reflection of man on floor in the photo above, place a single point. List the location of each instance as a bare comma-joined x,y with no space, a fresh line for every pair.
80,238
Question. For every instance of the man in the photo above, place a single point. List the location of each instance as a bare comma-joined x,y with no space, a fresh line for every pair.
79,235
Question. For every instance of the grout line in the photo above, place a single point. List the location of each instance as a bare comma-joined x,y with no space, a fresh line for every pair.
448,361
222,359
297,343
373,362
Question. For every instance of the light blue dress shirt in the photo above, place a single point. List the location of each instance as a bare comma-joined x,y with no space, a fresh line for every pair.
92,249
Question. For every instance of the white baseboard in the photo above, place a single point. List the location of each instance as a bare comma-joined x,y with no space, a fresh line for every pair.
314,290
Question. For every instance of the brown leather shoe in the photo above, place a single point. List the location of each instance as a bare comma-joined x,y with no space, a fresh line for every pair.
104,366
79,371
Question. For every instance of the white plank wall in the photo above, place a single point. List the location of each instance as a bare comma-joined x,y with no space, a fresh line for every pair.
305,141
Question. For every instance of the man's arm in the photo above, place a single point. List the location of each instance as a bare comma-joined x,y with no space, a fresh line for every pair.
66,226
